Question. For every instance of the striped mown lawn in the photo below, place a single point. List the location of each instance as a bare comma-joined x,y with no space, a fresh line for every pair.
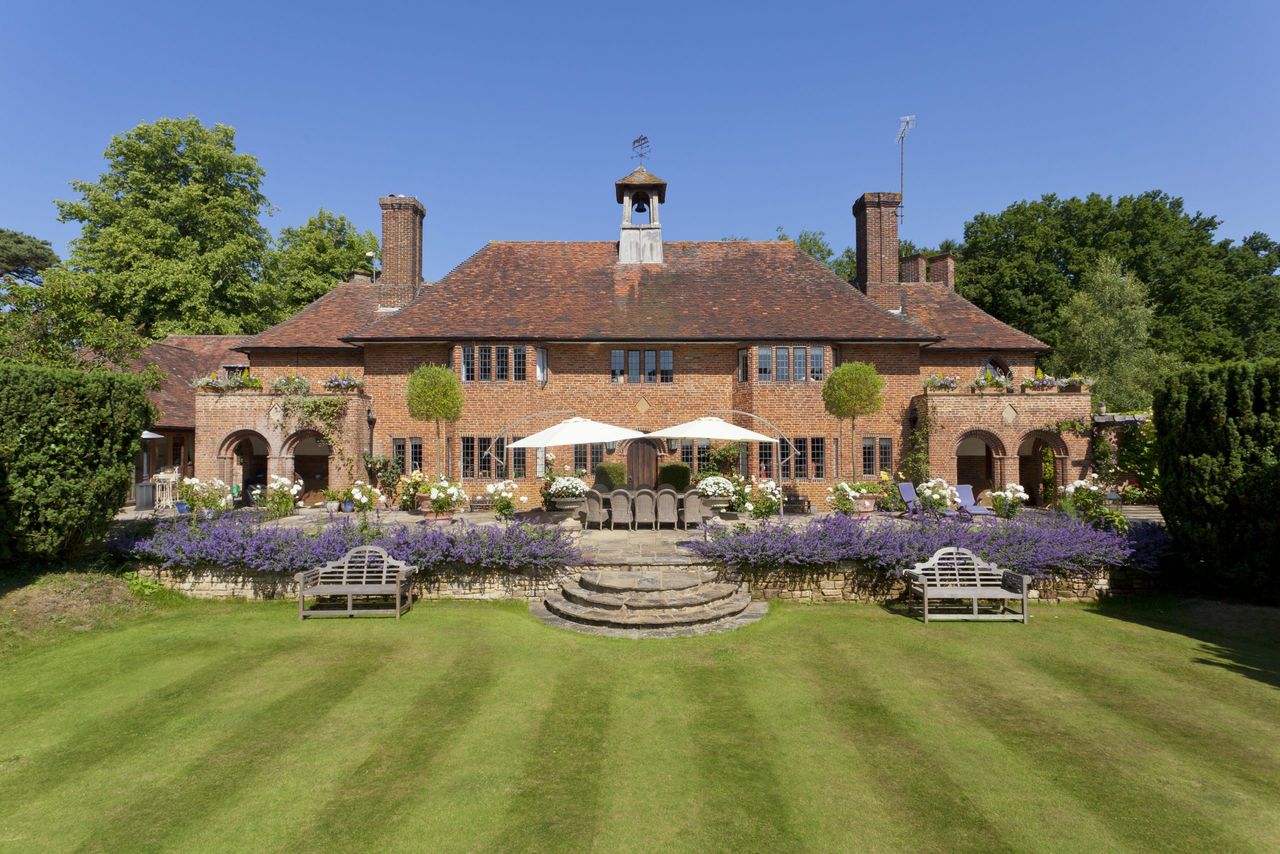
216,726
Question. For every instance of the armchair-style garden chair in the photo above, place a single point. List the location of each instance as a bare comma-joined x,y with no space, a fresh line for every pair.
969,506
620,509
594,511
692,510
645,507
668,507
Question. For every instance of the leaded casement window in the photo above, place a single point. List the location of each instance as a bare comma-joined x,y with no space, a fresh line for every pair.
704,454
579,458
764,364
633,366
868,456
686,452
468,363
597,456
742,458
744,366
415,454
519,370
816,364
802,458
766,459
666,366
468,456
782,364
486,364
642,366
818,457
617,366
799,363
877,455
540,463
500,458
541,366
518,460
785,460
886,456
651,366
484,456
501,365
398,454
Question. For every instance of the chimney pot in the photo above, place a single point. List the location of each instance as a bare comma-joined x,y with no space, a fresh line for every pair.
401,240
876,233
914,268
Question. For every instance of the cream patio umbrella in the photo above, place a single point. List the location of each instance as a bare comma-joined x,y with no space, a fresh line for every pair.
710,428
577,431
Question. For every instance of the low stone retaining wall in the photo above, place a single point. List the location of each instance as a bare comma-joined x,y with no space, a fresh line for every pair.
838,585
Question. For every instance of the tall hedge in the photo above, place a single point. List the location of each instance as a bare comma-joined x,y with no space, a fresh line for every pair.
67,444
1218,449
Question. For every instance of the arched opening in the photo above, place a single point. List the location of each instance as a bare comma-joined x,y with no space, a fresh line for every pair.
641,208
1042,458
310,454
979,461
996,367
244,456
642,463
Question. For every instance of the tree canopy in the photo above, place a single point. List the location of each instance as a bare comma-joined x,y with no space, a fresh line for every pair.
1211,299
1104,333
433,393
23,256
307,260
852,390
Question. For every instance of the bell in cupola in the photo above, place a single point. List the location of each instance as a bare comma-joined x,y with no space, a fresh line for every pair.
641,203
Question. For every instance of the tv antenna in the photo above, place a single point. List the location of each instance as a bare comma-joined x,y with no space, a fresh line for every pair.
905,124
640,148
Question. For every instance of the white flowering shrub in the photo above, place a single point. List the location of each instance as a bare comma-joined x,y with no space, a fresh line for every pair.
937,494
1008,501
715,487
362,496
279,497
503,494
843,496
445,497
567,486
761,498
204,495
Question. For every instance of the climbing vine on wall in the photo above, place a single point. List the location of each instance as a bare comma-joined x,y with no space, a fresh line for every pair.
914,464
324,415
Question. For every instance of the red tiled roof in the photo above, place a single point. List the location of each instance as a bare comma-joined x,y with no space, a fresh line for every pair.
960,323
324,322
183,358
715,290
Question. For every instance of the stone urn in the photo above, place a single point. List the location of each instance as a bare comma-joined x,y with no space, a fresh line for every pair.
864,504
717,502
333,506
569,502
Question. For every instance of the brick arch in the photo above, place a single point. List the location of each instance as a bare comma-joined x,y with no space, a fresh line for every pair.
290,443
228,444
244,474
1053,440
994,442
1029,466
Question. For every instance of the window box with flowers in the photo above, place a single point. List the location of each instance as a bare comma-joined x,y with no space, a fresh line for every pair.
344,382
941,383
991,382
1074,384
292,384
1039,383
214,384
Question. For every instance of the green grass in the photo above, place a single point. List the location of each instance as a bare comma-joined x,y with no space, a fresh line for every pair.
467,726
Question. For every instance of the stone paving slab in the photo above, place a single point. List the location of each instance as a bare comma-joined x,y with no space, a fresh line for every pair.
750,614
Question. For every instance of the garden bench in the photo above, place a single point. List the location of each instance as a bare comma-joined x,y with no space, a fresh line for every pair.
363,571
479,503
955,573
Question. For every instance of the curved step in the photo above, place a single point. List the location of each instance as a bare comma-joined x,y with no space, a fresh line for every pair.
647,618
641,581
691,597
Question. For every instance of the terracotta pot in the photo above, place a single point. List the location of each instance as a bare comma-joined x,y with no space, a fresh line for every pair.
865,504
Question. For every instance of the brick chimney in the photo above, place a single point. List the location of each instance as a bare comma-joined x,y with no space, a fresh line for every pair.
913,268
401,240
876,215
942,271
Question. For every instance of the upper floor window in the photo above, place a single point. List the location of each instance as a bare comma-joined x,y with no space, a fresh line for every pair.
642,366
494,364
744,365
468,364
502,363
486,364
785,364
541,366
519,369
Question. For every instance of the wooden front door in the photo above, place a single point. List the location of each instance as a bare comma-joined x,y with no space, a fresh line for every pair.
642,465
313,470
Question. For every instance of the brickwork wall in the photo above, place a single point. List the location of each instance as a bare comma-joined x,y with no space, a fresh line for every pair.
314,365
968,364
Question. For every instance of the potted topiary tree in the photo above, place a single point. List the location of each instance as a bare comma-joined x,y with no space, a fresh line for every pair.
853,389
434,394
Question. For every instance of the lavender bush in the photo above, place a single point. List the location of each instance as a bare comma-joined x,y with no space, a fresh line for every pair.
1035,544
239,541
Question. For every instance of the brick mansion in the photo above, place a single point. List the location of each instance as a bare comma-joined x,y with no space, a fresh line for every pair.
633,330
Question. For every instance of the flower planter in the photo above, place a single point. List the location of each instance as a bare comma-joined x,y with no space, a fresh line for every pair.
572,503
182,507
991,391
1073,388
1033,390
333,506
865,504
348,506
717,502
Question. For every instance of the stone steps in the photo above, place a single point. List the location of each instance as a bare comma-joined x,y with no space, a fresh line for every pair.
649,603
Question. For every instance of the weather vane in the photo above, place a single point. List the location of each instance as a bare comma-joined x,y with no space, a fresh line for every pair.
640,145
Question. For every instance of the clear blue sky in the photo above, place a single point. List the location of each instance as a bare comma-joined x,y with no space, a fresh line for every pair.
512,122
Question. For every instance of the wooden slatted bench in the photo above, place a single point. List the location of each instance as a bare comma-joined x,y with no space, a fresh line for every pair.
955,573
362,572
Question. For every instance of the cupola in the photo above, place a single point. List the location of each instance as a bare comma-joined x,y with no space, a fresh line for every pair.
641,194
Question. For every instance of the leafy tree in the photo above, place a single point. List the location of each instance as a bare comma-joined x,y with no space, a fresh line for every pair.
814,243
23,256
853,389
434,394
1212,299
1104,332
171,239
307,261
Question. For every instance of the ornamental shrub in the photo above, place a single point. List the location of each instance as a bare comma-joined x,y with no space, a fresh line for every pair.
675,475
610,476
66,456
1218,453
